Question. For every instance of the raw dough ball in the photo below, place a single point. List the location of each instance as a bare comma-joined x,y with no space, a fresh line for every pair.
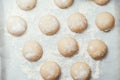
50,70
101,2
77,22
32,50
49,25
97,49
16,26
105,21
26,4
80,71
63,3
68,46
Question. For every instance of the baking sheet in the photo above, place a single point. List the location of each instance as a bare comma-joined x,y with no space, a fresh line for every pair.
1,41
15,67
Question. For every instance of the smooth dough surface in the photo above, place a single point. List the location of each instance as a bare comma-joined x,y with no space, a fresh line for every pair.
16,25
80,71
32,50
68,46
97,49
26,4
101,2
105,21
49,24
50,70
77,22
63,3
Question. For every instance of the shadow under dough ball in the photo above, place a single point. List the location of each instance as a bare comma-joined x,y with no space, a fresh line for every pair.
80,71
101,2
26,4
68,46
97,49
63,3
32,50
50,70
105,21
16,25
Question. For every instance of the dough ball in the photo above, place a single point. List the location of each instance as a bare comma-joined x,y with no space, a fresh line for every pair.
49,24
101,2
80,71
105,21
68,46
63,3
50,70
32,50
16,25
97,49
26,4
77,22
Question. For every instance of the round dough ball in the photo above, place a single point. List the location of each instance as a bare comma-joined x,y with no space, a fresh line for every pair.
16,26
77,22
63,3
97,49
49,24
68,46
80,71
50,70
32,50
26,4
105,21
101,2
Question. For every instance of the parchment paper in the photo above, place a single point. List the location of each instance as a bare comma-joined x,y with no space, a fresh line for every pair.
16,67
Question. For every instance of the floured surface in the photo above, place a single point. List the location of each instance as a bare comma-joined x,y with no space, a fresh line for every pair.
18,68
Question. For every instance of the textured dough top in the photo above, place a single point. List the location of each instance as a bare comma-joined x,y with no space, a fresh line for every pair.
68,46
26,4
77,22
32,50
16,25
63,3
49,24
97,49
105,21
50,70
80,71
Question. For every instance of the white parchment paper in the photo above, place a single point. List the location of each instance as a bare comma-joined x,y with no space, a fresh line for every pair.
16,67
